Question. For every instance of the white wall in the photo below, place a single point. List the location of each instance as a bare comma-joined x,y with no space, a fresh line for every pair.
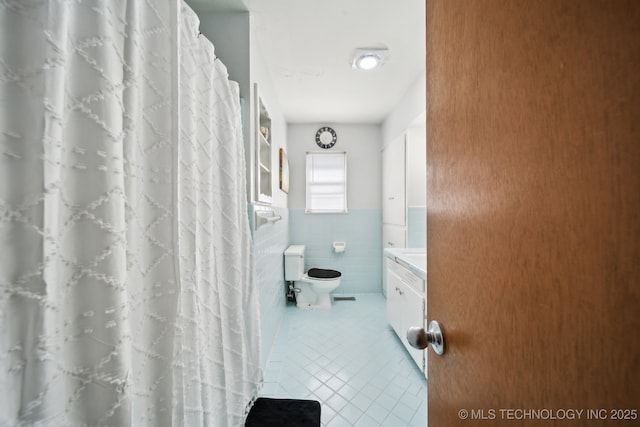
260,75
411,107
364,164
229,33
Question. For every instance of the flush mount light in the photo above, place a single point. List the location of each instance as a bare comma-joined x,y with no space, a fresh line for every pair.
369,58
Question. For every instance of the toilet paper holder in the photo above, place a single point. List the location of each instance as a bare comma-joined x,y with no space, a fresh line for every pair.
339,247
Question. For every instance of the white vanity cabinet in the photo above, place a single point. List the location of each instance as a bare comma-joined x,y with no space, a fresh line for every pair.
405,304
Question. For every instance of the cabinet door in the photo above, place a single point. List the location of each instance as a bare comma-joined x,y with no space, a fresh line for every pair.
405,307
416,174
393,236
413,314
393,183
394,305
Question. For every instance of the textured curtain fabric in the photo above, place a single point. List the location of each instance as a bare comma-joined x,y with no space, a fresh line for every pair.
127,292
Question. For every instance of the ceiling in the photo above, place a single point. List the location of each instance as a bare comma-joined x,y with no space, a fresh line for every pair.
307,46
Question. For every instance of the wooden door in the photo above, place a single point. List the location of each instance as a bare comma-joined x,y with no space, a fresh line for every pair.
534,211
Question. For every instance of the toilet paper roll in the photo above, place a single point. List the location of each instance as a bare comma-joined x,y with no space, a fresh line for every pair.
339,247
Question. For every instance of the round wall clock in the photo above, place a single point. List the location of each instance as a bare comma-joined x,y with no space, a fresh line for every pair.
326,137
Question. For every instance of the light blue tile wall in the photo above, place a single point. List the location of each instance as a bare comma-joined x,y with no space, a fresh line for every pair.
417,227
361,229
269,243
360,264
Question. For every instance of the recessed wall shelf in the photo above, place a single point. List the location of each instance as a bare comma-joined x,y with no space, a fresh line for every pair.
264,188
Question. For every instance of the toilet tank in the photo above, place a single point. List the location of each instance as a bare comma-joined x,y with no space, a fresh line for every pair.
294,262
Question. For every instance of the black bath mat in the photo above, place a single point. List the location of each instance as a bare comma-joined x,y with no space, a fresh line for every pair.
284,413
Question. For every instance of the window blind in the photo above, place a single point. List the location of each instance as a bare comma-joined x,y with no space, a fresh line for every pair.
326,183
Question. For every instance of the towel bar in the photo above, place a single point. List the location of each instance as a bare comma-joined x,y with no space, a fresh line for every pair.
266,218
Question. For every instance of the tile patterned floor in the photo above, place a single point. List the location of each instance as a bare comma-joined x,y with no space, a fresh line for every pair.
350,360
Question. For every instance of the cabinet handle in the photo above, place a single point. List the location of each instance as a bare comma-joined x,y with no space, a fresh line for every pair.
399,291
392,198
390,243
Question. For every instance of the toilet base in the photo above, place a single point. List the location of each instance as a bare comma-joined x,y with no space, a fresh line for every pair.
323,302
309,297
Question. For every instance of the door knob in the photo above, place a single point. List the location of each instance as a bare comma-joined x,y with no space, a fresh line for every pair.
420,339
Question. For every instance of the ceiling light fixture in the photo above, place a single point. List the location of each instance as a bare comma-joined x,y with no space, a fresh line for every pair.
367,59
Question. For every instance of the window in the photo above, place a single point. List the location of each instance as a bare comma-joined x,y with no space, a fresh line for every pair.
326,183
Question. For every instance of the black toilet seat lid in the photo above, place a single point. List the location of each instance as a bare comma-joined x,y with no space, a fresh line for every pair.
320,273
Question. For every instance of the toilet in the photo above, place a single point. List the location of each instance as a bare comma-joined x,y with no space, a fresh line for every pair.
313,287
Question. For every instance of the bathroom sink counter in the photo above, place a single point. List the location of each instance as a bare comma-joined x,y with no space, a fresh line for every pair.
415,259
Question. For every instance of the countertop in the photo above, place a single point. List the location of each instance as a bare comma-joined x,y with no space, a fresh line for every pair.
405,256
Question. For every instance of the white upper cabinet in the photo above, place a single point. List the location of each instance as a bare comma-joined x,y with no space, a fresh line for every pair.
416,174
404,183
393,183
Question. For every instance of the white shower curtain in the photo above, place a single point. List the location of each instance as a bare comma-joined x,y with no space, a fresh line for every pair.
127,292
